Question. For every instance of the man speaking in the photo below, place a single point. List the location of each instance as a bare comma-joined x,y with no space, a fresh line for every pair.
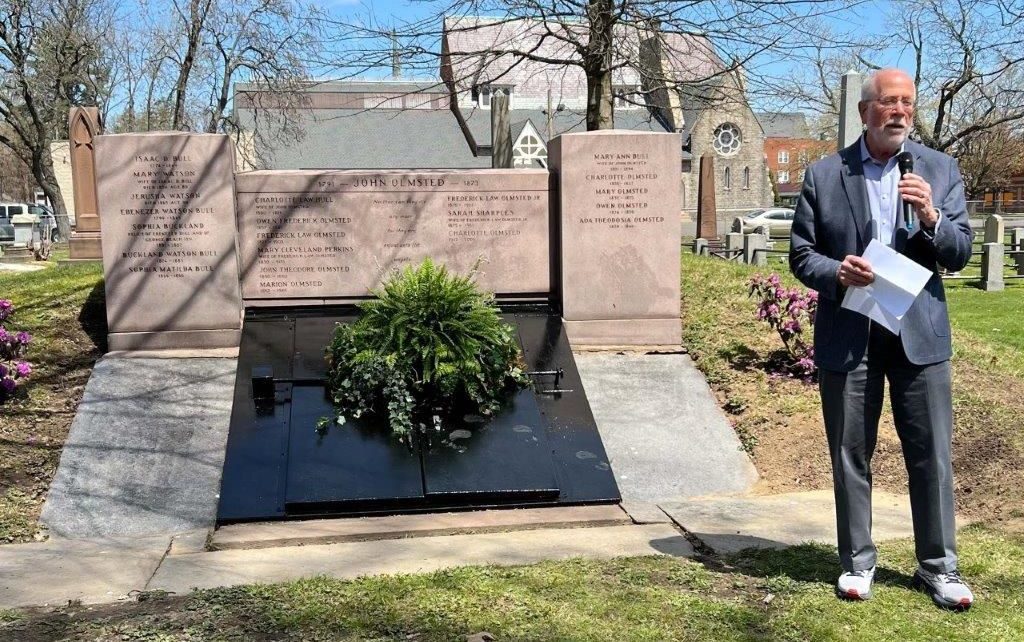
847,200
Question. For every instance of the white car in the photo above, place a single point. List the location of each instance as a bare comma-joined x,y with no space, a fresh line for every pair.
778,220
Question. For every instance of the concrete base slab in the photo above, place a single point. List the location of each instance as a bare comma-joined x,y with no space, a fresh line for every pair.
93,571
34,266
145,451
329,531
662,428
194,541
185,353
641,512
632,332
175,340
730,524
182,573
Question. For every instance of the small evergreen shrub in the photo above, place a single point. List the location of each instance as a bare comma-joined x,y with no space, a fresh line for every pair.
430,345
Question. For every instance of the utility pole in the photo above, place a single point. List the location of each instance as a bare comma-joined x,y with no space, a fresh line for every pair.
551,126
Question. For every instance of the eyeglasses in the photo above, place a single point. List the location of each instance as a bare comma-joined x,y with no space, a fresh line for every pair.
890,102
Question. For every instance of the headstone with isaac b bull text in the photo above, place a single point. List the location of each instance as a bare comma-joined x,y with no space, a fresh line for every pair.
620,236
167,206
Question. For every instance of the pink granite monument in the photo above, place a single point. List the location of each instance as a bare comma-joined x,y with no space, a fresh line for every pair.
83,127
167,206
619,236
312,236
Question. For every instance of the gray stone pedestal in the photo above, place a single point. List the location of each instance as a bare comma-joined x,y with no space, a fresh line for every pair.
753,249
992,267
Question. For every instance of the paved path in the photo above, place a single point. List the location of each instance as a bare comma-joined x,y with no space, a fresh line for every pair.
665,435
107,570
145,451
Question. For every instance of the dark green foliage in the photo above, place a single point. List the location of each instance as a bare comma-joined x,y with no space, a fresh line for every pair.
429,345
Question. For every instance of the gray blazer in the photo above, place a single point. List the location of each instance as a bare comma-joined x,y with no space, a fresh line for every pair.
833,220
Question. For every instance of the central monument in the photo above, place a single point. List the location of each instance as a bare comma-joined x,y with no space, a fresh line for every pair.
197,256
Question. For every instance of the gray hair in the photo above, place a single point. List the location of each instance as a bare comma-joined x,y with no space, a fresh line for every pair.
868,89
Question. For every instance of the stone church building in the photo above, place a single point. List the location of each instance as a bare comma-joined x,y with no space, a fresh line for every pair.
670,83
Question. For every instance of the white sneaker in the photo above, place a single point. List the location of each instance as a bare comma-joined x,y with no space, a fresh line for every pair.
948,590
856,585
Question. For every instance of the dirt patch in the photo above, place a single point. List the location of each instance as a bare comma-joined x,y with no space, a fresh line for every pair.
69,335
141,620
790,451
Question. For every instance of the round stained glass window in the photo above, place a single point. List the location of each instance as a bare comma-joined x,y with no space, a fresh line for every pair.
727,139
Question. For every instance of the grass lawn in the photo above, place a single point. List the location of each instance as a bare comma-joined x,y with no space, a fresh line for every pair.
62,307
772,595
766,595
779,420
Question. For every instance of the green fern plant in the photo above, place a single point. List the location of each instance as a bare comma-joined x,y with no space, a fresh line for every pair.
430,344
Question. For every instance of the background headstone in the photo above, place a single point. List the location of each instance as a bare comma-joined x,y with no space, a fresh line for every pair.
619,236
707,214
1017,243
168,208
995,229
850,126
754,245
733,243
83,127
992,267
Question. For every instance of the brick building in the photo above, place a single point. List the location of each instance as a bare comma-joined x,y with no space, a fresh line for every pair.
789,148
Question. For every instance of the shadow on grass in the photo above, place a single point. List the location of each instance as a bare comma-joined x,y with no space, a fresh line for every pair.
777,363
740,357
805,563
93,317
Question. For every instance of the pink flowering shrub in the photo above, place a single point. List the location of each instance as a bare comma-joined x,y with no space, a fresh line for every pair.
13,368
790,311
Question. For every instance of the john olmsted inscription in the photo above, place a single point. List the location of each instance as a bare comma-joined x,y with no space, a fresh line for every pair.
335,234
619,215
167,209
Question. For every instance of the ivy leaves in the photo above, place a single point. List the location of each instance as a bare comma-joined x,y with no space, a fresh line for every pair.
431,343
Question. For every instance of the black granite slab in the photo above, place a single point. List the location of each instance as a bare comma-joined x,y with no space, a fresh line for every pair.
356,467
543,449
505,458
252,484
581,464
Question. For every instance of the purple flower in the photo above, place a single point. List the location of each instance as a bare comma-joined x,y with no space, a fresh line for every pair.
24,338
6,308
3,371
23,369
4,336
7,384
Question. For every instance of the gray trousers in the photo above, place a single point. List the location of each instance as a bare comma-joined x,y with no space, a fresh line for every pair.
922,406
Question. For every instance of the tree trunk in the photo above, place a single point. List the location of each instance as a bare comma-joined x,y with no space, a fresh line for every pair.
197,18
42,170
597,65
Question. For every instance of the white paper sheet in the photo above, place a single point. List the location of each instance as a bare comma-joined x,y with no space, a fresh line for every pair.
898,281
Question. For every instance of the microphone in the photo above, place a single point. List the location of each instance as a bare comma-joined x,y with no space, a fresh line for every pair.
906,164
